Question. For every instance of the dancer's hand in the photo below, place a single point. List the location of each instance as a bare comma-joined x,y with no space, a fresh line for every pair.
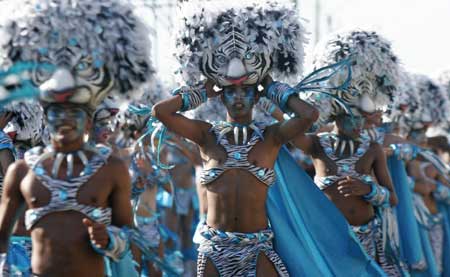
353,187
98,234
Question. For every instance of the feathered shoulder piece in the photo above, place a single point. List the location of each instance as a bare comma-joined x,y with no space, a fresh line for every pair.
239,41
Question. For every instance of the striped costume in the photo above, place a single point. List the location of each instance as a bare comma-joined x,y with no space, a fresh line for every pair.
236,254
370,235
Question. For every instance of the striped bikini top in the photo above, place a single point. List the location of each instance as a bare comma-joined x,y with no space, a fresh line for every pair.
237,158
64,192
345,166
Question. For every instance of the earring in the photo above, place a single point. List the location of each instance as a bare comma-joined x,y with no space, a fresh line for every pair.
216,88
260,88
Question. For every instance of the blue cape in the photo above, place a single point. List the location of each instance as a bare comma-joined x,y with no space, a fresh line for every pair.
312,237
410,246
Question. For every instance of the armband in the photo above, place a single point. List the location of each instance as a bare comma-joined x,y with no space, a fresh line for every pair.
191,97
279,94
378,195
118,244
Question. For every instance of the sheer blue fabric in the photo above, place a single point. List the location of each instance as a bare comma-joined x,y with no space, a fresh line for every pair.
311,235
410,246
18,258
431,269
445,210
123,267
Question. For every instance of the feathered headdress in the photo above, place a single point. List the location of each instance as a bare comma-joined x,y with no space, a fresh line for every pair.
433,105
374,68
444,80
90,44
406,100
239,41
27,121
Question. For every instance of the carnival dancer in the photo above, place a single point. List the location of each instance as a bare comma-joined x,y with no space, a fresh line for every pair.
350,170
77,195
238,154
25,129
104,120
429,177
180,211
147,179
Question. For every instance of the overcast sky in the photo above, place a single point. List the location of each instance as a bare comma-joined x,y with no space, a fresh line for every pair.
418,29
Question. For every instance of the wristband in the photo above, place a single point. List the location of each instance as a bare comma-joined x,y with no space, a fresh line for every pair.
191,97
279,93
118,244
378,196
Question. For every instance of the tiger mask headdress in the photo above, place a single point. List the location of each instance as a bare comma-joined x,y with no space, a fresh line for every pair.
239,42
94,48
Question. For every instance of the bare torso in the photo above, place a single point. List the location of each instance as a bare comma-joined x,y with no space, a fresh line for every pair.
236,199
61,245
356,210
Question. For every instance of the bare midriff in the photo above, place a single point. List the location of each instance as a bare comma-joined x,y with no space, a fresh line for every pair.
237,202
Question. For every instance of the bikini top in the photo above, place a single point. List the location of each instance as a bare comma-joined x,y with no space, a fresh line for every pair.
64,192
237,158
345,166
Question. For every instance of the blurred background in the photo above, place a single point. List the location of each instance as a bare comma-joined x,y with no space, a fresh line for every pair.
418,29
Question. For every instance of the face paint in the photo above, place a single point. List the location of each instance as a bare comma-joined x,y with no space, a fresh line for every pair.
239,100
66,124
102,130
351,126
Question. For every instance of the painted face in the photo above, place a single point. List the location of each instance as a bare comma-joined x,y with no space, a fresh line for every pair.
66,123
372,119
350,126
103,129
234,62
239,100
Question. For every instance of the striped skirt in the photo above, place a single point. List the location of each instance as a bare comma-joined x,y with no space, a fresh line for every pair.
370,236
236,254
437,244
